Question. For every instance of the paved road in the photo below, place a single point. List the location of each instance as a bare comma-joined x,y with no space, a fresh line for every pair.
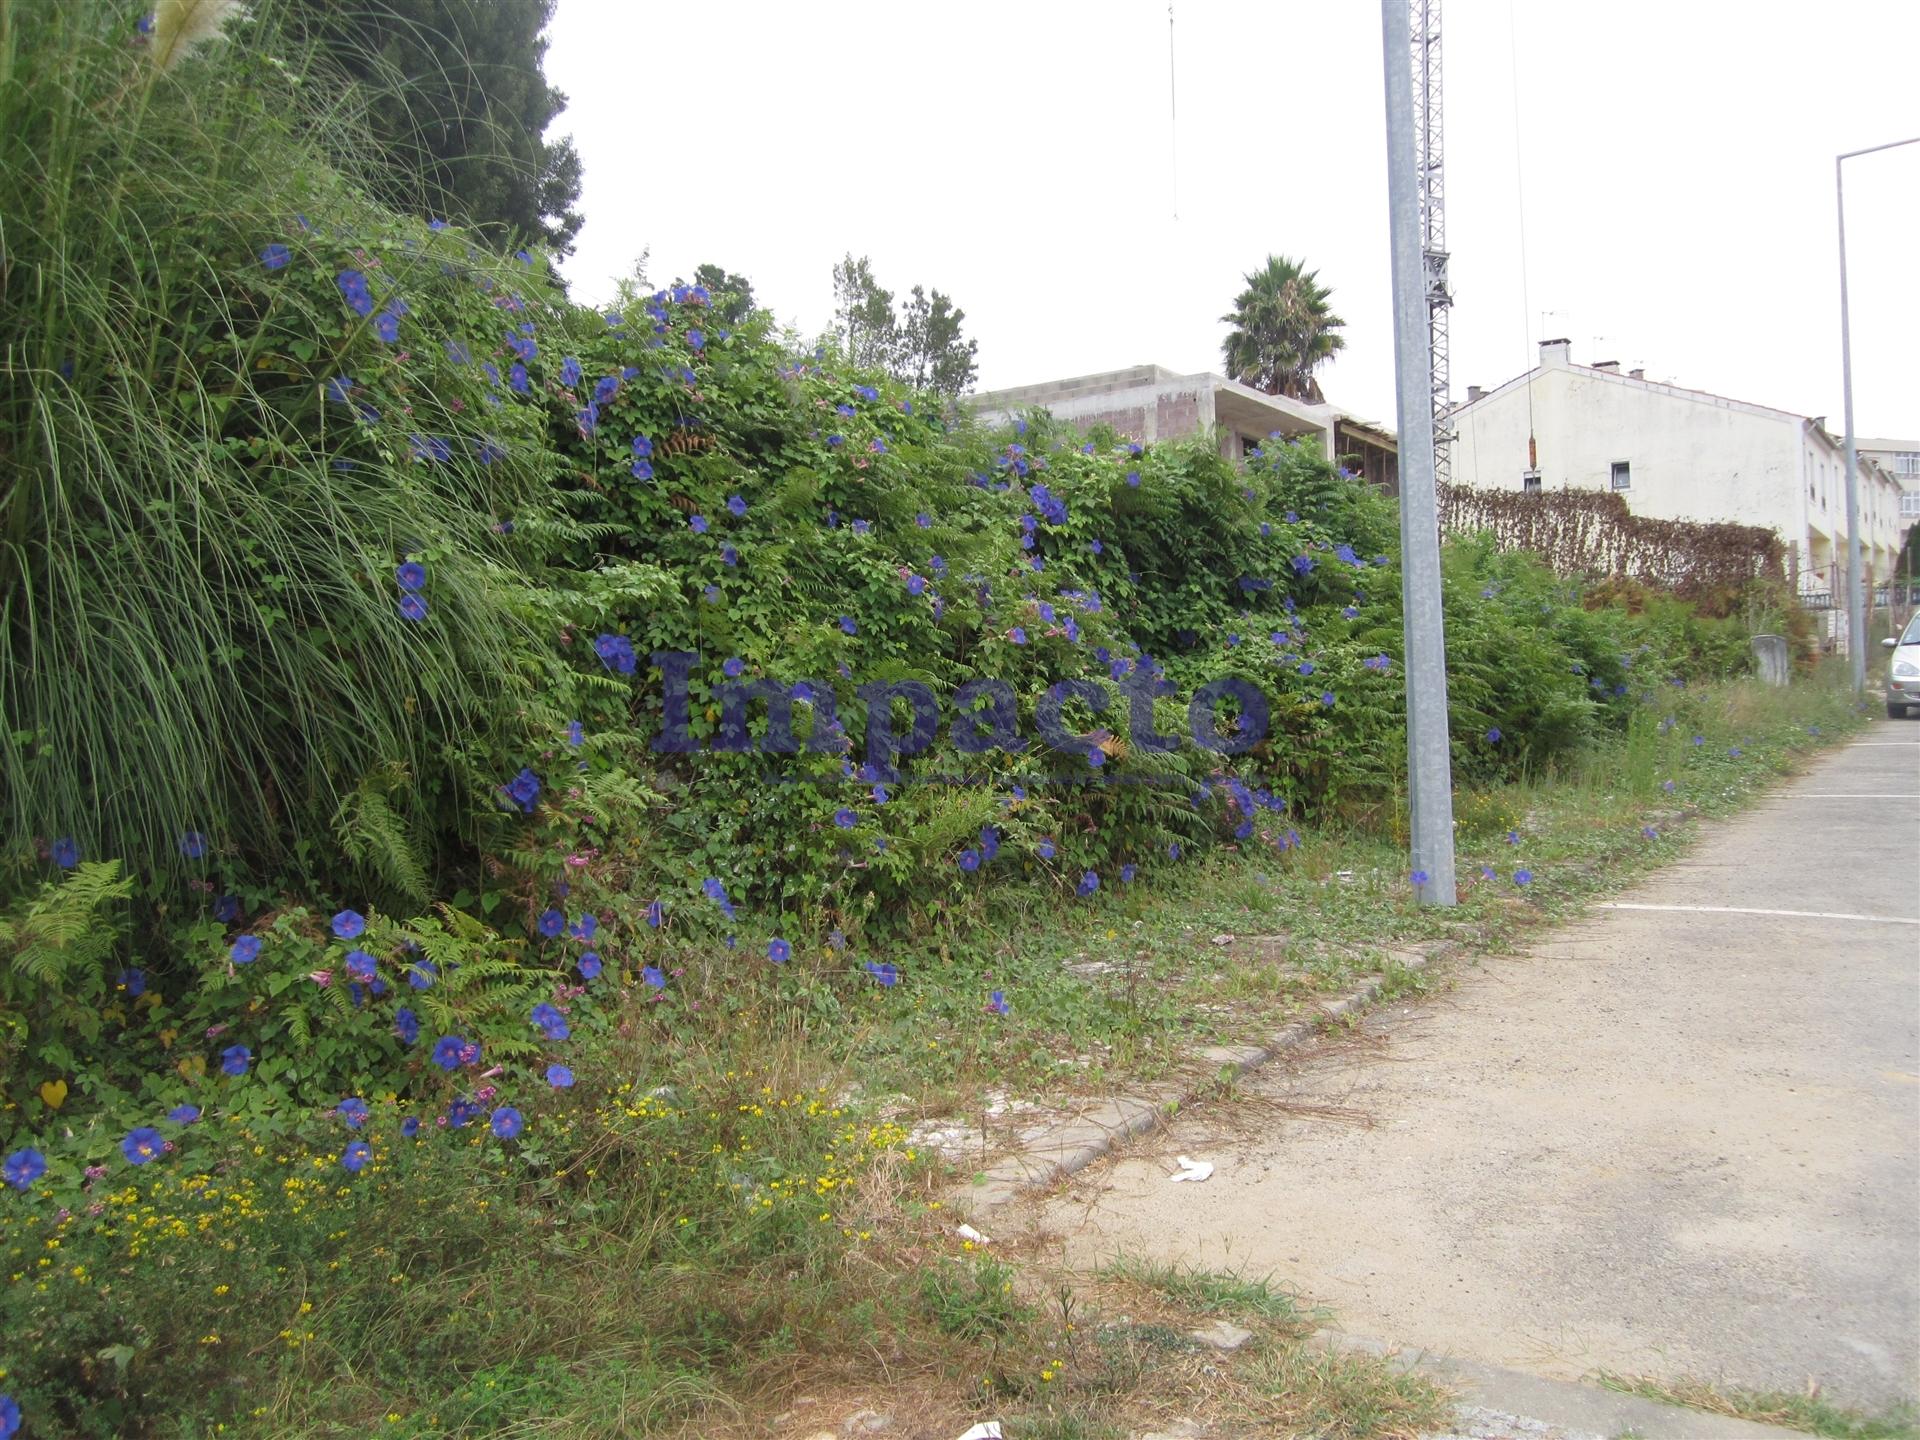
1682,1140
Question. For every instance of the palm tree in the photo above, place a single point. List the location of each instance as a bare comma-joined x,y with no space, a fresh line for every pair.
1282,329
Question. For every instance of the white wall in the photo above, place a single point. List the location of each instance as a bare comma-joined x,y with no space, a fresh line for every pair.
1692,456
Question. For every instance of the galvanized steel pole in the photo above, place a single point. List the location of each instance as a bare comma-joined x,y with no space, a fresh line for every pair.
1429,768
1856,582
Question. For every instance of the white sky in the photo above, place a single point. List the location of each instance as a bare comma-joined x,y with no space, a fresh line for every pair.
1677,158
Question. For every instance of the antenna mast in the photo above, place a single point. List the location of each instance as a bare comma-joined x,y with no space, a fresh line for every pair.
1424,22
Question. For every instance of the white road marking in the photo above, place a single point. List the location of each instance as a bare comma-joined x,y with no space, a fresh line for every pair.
1835,795
1746,910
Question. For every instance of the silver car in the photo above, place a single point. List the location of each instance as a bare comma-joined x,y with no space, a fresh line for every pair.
1903,671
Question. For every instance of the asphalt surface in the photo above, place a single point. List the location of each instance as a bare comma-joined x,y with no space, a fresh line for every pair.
1678,1142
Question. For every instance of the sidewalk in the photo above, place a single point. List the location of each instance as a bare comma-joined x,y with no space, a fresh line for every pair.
1681,1138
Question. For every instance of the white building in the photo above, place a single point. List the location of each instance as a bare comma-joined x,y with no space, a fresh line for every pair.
1679,454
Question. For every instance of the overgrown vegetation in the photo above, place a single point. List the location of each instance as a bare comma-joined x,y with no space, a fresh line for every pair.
429,1001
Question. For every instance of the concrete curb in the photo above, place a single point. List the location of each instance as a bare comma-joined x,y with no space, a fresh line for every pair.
1050,1155
1571,1404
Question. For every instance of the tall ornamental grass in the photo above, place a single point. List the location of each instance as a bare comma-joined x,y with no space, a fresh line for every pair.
234,400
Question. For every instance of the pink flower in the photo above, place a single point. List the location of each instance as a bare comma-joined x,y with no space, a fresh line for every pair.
576,861
484,1094
213,1030
94,1172
491,1074
322,978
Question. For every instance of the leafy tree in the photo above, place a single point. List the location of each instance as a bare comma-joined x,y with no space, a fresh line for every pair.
733,298
457,97
930,353
920,346
1283,328
863,314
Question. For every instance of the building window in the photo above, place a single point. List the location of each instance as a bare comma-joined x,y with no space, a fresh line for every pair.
1530,482
1622,475
1906,462
1910,505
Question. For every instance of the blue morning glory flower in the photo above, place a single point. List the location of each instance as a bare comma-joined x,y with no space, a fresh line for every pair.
652,976
642,446
736,506
227,909
508,1123
184,1114
559,1077
696,340
836,440
712,593
1523,877
969,859
1513,837
923,520
406,1025
550,1022
412,607
65,852
1133,478
349,924
410,1126
1017,635
356,1157
517,380
1493,735
446,1052
847,625
353,1111
997,1003
524,788
604,388
411,576
1089,883
387,326
887,974
699,524
276,256
590,965
1649,832
656,914
353,287
552,922
779,951
845,818
1127,872
1419,878
729,555
20,1170
143,1144
235,1059
1044,849
734,668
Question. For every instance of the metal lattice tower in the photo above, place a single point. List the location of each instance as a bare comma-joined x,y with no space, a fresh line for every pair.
1424,17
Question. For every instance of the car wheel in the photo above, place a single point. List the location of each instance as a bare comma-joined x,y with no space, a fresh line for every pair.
1896,712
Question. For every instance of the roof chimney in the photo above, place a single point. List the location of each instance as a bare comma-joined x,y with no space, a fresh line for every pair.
1638,373
1610,366
1554,352
1474,392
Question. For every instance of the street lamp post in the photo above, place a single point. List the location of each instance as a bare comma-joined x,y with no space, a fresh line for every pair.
1429,762
1856,581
